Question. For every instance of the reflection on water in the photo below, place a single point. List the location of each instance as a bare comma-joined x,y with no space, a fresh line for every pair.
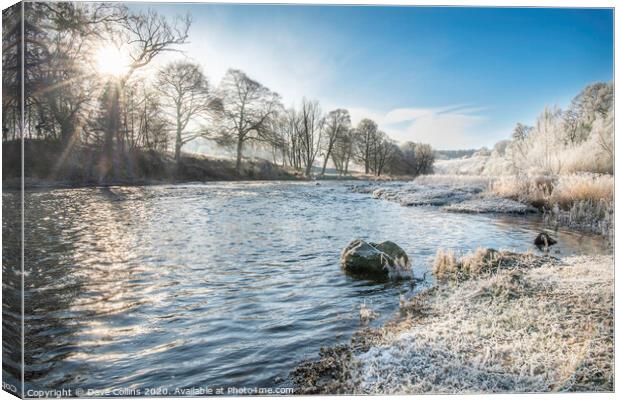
11,293
227,284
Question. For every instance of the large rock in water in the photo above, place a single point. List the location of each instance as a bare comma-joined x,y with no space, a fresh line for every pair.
367,258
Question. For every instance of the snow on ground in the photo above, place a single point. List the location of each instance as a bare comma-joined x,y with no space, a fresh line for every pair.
520,330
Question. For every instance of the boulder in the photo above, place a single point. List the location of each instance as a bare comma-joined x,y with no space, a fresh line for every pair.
544,240
363,258
394,251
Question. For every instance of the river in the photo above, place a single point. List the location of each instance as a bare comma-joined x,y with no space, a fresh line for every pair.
220,284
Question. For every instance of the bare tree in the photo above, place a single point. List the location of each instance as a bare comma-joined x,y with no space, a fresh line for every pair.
425,158
337,122
152,128
60,37
185,90
342,151
147,34
366,135
248,111
384,150
150,34
310,130
412,159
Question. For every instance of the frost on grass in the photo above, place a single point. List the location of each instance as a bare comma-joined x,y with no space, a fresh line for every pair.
586,215
518,330
367,314
490,204
465,194
483,261
532,327
416,194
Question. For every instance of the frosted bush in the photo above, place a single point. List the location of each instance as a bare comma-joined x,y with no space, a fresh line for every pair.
578,140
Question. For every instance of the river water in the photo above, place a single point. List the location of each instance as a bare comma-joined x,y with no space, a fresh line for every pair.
222,284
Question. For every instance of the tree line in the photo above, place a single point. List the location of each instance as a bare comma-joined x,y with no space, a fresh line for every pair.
68,101
578,139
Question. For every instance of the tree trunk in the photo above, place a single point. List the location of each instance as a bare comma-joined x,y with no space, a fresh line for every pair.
66,133
177,146
110,158
324,166
329,150
239,152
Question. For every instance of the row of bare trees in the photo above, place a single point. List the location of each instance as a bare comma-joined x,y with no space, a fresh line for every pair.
68,101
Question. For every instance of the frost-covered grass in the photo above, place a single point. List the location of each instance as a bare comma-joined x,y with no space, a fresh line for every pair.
581,201
534,190
454,180
366,313
571,189
490,204
586,215
518,329
563,190
420,194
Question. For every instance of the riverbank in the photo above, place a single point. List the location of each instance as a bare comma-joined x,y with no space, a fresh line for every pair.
46,166
582,202
540,325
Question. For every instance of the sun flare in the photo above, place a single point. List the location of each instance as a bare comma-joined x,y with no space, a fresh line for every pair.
111,60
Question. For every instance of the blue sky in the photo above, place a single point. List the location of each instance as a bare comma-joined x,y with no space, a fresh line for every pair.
452,77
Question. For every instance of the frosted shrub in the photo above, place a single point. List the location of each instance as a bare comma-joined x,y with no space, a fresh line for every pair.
586,157
540,152
577,140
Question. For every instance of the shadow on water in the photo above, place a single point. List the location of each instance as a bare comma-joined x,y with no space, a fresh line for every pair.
224,284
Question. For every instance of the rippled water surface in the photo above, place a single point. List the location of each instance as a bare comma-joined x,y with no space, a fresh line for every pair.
224,284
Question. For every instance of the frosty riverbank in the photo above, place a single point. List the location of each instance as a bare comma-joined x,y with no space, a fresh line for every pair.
544,324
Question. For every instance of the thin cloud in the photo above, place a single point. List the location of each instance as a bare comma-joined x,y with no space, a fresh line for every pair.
448,127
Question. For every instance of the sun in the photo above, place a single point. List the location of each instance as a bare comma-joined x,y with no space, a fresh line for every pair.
111,60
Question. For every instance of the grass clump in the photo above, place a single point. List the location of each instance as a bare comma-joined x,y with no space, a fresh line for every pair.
482,262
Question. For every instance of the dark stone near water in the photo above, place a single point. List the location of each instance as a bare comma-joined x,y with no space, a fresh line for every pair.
394,251
364,258
544,240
